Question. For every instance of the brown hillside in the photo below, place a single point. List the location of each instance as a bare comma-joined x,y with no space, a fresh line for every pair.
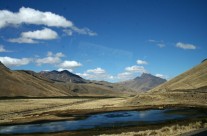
189,88
190,80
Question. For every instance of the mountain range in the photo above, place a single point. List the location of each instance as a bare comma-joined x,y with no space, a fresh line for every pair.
26,83
143,83
62,76
64,83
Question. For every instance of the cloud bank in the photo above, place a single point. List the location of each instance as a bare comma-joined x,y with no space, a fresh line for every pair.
10,62
35,17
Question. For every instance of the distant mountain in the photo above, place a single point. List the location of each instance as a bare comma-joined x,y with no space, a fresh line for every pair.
62,76
188,88
143,83
31,84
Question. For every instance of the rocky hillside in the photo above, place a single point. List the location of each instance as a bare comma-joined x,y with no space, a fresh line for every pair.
143,83
62,76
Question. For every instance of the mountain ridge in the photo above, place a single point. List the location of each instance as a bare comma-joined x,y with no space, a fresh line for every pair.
27,83
62,76
144,82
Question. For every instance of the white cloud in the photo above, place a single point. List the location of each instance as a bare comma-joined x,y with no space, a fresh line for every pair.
96,71
22,40
142,62
68,32
32,16
160,44
135,68
36,17
69,64
50,59
32,36
185,46
44,34
59,54
131,71
85,31
9,62
159,75
2,49
61,69
96,74
125,76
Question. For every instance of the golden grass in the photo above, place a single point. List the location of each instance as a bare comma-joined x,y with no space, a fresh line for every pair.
174,130
20,108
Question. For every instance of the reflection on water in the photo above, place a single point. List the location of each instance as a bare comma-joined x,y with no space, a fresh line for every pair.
110,119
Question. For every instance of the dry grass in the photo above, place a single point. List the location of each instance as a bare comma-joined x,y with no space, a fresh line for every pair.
174,130
192,79
20,108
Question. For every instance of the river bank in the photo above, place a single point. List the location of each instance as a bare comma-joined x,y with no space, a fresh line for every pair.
23,111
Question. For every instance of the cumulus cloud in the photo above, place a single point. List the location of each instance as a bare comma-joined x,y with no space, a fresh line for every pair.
69,64
132,71
10,62
142,62
33,36
32,16
185,46
36,17
96,71
50,59
44,34
96,74
135,68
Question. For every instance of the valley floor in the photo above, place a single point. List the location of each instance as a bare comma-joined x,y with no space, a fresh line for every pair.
20,111
29,110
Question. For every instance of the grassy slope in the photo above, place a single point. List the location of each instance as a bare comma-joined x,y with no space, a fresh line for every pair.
18,83
190,80
189,88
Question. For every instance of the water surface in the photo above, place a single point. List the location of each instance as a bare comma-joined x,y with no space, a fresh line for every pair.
103,120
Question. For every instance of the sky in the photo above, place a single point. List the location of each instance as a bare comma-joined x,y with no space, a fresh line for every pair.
111,40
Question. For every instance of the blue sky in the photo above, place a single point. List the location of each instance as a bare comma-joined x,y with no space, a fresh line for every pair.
112,40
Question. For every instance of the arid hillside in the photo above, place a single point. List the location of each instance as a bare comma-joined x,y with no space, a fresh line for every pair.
192,79
30,84
27,83
188,88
